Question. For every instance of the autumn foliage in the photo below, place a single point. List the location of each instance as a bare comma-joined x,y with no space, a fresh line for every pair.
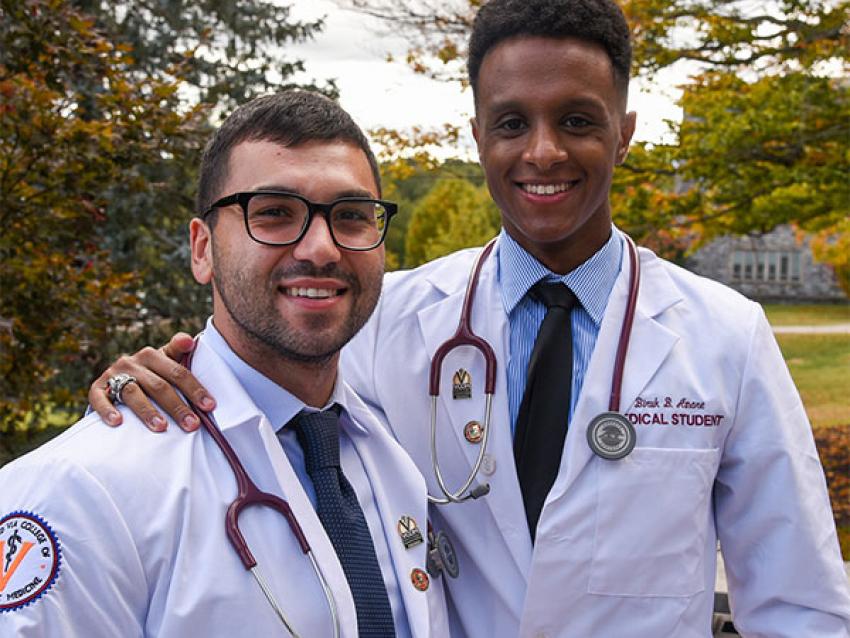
104,109
73,127
834,449
766,104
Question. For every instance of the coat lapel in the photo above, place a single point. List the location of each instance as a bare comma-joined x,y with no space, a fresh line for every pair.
438,323
238,417
403,494
649,346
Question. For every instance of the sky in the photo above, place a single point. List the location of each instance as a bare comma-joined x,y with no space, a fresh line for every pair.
353,49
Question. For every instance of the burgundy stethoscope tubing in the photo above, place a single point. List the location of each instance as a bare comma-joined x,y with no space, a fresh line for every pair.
464,336
249,494
626,329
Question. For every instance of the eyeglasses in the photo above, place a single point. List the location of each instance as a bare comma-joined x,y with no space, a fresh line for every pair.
278,218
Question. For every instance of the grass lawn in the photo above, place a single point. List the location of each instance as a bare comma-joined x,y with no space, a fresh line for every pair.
820,366
807,315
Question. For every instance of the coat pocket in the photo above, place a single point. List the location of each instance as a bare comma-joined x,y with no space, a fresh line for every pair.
653,510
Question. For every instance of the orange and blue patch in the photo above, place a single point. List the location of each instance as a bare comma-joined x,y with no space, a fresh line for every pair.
30,558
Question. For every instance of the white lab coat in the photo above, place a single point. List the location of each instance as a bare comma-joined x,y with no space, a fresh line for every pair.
627,548
140,519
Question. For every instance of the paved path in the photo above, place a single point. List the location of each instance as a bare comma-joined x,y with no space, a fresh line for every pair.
833,328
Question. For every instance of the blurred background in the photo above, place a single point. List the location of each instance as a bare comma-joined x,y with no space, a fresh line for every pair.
739,170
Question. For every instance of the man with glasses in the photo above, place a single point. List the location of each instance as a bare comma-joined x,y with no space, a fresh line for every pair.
579,535
93,544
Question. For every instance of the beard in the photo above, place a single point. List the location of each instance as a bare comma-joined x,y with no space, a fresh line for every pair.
251,304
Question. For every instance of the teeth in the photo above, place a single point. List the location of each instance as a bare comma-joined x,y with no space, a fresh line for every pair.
546,189
311,293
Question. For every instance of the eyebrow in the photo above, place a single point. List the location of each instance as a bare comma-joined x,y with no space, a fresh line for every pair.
520,105
350,192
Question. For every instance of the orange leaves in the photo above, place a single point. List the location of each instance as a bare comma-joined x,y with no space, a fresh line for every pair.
834,449
400,152
78,124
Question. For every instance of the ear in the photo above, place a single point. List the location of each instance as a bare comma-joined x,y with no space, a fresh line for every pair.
627,129
200,241
476,135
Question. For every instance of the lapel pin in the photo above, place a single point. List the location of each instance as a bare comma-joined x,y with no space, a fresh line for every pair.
409,532
462,385
419,579
473,432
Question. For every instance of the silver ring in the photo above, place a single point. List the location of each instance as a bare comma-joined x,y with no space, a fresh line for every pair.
116,384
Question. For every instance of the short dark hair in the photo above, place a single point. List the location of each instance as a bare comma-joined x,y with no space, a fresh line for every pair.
600,21
289,118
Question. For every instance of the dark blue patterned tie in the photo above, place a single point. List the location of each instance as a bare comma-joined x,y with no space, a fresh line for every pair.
344,522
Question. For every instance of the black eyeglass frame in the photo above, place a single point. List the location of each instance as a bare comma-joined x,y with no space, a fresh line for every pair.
312,208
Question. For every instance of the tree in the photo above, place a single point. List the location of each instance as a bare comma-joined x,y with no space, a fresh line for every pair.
64,150
230,50
767,112
407,181
454,214
105,107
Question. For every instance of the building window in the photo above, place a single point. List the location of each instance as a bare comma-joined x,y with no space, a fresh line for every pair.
781,266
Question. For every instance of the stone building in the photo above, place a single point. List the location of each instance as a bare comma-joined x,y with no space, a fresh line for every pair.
771,267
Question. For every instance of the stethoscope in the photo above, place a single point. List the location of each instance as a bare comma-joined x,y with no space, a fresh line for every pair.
610,434
250,495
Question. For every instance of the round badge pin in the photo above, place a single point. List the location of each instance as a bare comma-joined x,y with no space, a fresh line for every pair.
30,557
419,579
447,554
611,436
473,432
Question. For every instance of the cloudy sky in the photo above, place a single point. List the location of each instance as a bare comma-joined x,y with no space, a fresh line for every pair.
353,49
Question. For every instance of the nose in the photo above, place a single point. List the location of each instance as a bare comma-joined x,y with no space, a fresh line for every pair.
544,148
317,246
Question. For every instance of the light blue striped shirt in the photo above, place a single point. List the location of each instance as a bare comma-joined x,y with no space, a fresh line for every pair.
591,283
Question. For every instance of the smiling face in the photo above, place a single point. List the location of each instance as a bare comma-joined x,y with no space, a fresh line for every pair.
301,302
550,126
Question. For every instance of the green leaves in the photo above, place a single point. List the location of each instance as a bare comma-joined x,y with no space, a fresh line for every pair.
767,114
105,108
65,145
454,214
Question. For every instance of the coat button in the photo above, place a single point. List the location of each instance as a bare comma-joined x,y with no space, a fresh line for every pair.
473,432
488,465
419,579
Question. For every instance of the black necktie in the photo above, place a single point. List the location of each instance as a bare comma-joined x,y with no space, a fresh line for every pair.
542,420
343,520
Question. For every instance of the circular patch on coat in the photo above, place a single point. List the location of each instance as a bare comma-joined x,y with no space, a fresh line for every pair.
30,556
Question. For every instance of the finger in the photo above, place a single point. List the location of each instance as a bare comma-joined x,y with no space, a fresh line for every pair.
100,403
131,395
179,345
136,400
163,365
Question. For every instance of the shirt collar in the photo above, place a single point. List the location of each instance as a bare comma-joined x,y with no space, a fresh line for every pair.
591,282
278,405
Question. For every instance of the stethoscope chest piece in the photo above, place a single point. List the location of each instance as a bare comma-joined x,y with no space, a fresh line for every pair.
611,436
441,556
